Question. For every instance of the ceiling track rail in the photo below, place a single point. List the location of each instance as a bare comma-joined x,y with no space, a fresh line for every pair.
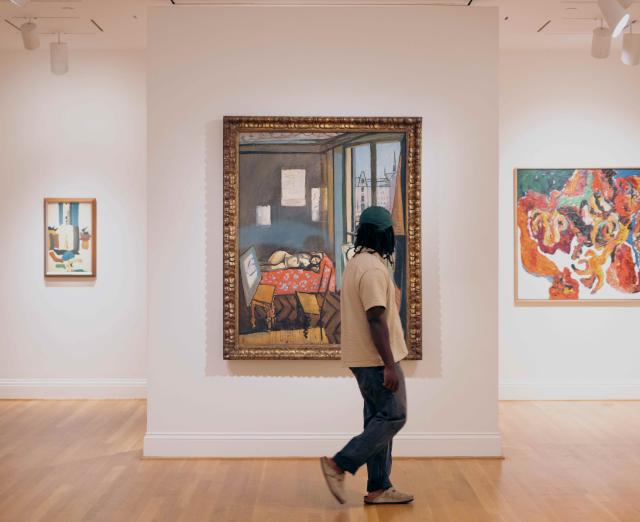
96,24
544,26
12,24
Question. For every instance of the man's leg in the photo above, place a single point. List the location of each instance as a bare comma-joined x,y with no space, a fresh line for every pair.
379,470
389,417
378,466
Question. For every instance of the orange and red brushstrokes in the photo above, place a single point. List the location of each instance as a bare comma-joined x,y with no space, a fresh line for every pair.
590,215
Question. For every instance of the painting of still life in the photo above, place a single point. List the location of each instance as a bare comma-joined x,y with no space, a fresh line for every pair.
70,237
577,236
294,192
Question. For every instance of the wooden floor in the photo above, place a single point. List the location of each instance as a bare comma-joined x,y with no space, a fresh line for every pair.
68,461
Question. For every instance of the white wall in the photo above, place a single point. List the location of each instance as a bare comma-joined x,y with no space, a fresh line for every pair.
207,62
82,134
565,109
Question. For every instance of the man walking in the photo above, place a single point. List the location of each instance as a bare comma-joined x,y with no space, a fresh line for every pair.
372,346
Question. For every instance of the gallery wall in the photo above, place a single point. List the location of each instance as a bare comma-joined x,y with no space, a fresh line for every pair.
78,135
209,61
564,109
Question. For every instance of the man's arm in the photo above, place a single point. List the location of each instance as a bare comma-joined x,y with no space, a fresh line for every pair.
380,335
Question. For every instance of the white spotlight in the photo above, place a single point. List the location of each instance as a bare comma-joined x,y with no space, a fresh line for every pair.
30,36
59,57
19,3
631,49
615,15
601,43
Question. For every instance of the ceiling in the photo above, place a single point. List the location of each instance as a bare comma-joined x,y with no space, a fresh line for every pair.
85,24
121,24
551,24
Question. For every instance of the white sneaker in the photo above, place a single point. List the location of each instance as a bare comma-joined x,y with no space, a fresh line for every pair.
334,480
390,496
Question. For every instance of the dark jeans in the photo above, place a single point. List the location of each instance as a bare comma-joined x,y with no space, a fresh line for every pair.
384,415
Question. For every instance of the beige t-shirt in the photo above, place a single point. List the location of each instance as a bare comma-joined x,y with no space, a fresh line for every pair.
366,283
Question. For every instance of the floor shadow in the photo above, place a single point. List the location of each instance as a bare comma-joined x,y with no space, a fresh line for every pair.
86,282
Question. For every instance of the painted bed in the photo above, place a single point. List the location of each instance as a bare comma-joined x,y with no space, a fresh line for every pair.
288,281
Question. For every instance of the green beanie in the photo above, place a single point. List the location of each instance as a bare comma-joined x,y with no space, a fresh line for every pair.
377,216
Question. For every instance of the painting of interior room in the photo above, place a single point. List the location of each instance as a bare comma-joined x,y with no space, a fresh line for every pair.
300,197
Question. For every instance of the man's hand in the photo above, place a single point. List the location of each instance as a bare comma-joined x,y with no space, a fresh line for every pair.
391,380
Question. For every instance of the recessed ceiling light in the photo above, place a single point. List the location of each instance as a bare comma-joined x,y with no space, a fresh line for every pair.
19,3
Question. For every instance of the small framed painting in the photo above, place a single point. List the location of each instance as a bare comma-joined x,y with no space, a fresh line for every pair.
70,237
577,236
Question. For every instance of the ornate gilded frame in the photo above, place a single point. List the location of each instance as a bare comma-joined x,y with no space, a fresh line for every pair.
233,126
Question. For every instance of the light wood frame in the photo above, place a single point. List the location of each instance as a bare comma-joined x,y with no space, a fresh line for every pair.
233,126
94,213
516,254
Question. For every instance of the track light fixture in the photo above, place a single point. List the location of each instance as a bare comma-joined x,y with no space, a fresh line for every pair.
59,57
30,36
601,43
631,48
615,14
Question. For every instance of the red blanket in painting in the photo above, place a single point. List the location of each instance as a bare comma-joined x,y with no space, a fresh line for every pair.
291,280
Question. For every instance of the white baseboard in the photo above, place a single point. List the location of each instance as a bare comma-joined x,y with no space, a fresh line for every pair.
527,391
314,444
73,388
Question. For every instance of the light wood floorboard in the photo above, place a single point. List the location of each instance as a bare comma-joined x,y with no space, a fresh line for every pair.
80,460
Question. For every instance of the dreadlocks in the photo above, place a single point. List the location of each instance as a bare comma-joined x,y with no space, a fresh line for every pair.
382,241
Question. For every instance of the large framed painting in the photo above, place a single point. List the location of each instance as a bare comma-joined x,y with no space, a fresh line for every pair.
294,190
70,237
577,236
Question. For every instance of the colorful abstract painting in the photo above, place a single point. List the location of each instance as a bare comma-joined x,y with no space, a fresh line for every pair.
577,236
70,242
300,195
